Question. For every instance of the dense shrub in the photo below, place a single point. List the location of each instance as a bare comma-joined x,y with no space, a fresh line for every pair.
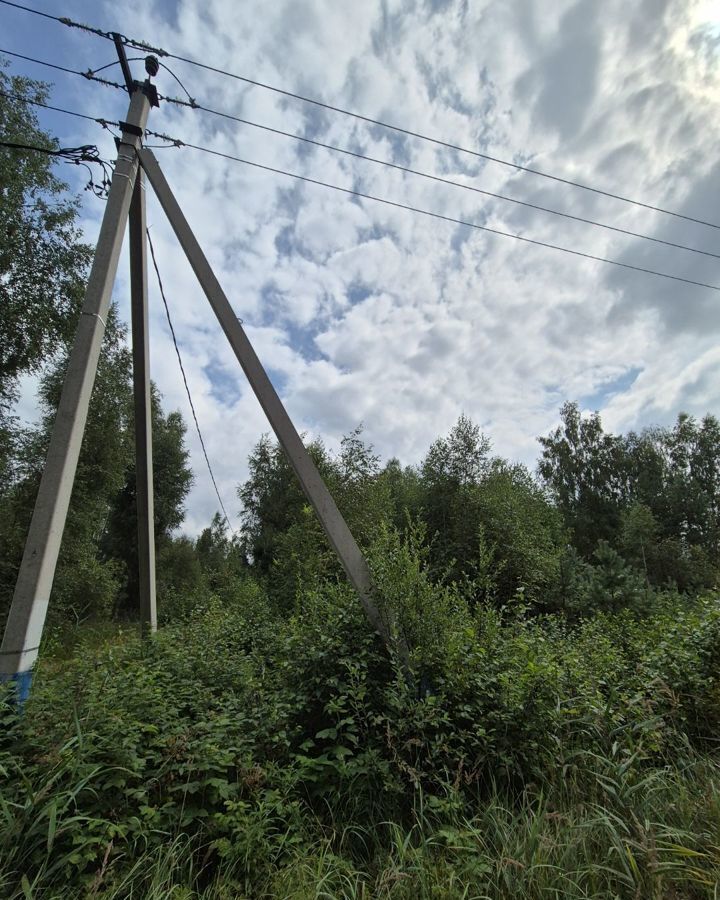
266,744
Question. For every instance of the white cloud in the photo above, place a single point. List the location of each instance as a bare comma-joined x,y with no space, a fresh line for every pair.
366,312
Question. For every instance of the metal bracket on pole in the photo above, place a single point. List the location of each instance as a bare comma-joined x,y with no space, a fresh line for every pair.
312,484
143,410
26,619
124,65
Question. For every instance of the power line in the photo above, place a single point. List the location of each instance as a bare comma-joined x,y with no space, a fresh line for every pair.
178,143
86,153
499,232
434,215
68,112
80,156
185,381
437,141
40,62
191,103
437,178
30,10
89,75
63,20
448,145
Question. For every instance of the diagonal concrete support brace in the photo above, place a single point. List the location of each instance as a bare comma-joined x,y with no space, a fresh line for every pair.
312,484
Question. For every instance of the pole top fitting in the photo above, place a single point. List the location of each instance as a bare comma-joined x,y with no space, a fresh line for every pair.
152,65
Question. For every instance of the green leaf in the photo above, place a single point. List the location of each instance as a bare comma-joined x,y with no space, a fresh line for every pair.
326,733
51,826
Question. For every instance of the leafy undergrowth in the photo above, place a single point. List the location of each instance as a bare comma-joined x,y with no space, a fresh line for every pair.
244,754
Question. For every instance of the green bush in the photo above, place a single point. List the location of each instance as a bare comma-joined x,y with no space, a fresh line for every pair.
242,752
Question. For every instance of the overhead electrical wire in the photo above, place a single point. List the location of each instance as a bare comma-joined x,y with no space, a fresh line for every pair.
439,179
159,51
80,156
68,112
179,143
424,212
185,381
191,103
440,143
89,75
29,9
175,142
40,62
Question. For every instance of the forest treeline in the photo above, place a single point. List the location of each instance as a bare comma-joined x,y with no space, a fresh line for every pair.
604,519
604,522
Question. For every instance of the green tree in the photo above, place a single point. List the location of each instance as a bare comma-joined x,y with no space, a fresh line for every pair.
43,262
281,534
272,499
675,476
221,558
693,488
180,582
362,496
638,538
404,488
450,475
172,479
85,582
585,470
524,531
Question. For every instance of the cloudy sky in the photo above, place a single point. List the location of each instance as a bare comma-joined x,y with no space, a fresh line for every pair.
366,313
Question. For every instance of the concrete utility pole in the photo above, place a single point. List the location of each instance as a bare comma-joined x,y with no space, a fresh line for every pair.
143,410
24,628
312,484
23,631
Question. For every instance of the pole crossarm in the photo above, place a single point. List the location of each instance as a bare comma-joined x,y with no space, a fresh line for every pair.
333,523
26,619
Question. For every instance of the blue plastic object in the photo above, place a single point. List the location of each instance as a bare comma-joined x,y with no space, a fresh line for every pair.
23,683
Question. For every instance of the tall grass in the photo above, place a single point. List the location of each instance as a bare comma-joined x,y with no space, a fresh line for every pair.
246,756
648,837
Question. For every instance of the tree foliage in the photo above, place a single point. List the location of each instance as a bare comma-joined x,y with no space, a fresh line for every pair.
654,496
43,262
586,471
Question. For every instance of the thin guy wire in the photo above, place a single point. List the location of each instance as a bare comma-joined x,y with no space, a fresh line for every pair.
185,381
440,179
434,215
159,51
